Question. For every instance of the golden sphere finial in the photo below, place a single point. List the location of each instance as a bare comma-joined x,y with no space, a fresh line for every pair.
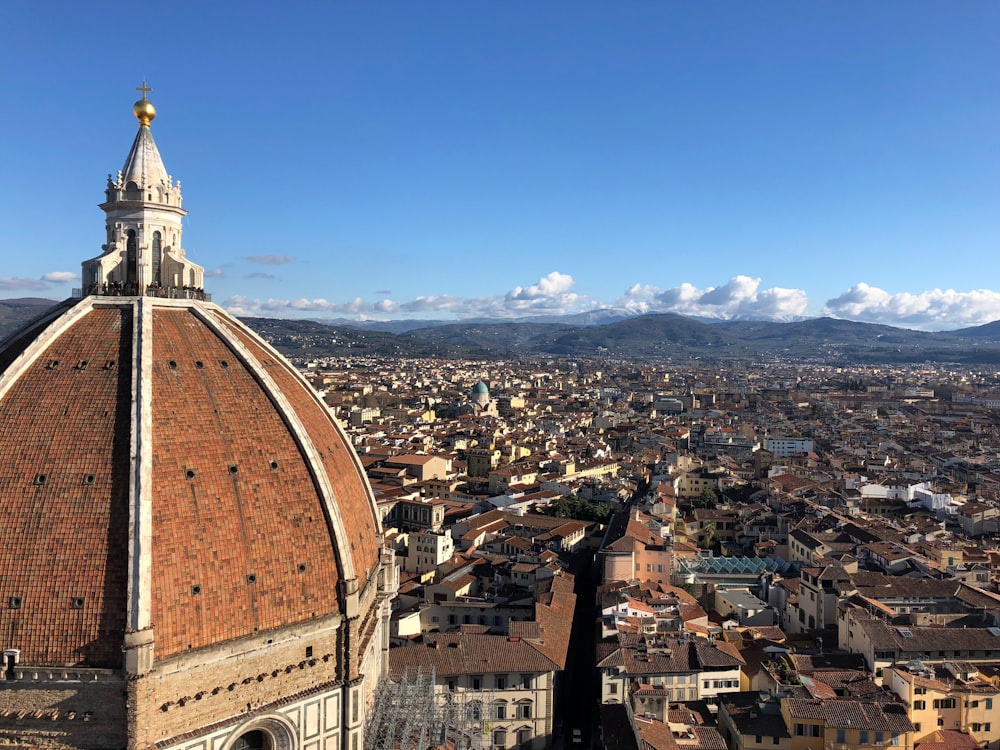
144,109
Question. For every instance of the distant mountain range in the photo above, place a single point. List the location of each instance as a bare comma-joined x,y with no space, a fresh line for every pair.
606,335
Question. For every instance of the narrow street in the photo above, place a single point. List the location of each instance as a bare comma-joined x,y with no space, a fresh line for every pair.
577,707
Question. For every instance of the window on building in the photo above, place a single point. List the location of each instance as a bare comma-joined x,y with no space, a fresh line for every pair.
916,726
254,740
500,739
986,726
919,705
879,738
524,710
500,710
613,688
476,681
841,736
977,727
863,738
940,722
989,704
895,740
524,737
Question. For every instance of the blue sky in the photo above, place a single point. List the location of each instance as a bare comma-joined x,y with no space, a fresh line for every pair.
438,159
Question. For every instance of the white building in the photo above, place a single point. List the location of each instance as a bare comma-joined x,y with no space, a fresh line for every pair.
783,447
428,550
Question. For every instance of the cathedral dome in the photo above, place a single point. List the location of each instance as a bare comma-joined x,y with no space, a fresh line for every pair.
166,468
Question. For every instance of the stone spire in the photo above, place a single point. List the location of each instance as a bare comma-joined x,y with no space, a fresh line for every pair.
143,253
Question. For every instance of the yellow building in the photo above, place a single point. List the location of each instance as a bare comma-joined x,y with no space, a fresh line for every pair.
948,696
846,724
748,722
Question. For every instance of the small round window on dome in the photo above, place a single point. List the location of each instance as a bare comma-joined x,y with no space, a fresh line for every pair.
88,479
251,579
199,364
77,602
189,473
172,364
195,590
223,364
234,469
303,567
273,464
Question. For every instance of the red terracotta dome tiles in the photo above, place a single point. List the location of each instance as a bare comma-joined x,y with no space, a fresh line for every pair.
216,421
347,481
64,456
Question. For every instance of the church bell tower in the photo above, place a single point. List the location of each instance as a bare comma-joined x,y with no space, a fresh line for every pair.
143,253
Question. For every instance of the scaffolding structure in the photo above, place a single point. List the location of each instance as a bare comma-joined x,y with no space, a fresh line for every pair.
409,714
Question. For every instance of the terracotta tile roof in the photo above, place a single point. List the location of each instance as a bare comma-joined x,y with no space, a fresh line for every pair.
655,735
453,654
878,717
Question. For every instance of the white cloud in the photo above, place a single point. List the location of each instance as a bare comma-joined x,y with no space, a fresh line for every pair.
734,292
552,286
740,297
642,291
781,304
935,309
240,305
434,303
271,260
61,277
12,284
551,294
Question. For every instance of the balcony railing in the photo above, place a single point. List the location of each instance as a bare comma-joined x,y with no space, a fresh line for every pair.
118,289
